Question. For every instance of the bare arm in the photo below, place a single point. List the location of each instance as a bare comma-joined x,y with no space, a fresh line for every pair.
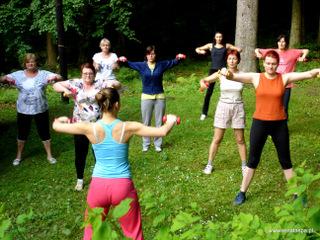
62,87
232,47
203,49
249,77
64,125
6,79
304,55
204,82
298,76
136,128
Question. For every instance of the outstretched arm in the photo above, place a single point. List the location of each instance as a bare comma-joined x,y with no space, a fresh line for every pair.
232,47
136,128
65,125
7,79
249,77
298,76
304,55
203,49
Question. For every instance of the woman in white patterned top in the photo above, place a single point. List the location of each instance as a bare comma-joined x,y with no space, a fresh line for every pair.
32,103
229,111
86,109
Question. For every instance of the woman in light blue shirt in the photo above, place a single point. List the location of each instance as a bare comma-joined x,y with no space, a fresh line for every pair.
111,179
32,103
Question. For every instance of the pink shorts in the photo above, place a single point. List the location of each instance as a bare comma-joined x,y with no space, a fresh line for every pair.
107,192
229,115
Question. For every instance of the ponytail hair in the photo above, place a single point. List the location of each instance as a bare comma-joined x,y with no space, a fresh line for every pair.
106,99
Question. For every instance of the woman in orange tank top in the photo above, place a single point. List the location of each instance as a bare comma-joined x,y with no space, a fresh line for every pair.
269,117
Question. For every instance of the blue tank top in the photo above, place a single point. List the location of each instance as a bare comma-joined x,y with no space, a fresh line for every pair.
218,57
111,156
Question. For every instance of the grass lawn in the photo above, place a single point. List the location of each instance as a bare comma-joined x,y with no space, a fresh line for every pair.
176,172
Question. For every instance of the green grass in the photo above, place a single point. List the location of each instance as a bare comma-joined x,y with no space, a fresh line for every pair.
176,172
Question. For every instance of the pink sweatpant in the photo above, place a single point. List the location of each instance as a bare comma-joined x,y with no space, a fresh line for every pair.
107,192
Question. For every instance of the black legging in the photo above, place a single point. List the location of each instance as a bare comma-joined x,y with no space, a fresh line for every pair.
279,132
81,146
209,92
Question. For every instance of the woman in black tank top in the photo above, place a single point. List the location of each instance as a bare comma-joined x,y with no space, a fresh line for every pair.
218,60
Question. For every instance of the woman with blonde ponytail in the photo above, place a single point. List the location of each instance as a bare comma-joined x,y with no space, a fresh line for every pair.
111,179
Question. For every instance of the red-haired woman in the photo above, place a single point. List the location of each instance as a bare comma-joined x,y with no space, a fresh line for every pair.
269,117
229,112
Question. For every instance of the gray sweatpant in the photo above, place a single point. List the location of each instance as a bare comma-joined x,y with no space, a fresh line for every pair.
147,107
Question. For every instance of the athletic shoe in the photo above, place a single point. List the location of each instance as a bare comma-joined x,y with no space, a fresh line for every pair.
203,117
145,149
208,169
244,169
52,160
240,198
158,149
79,185
16,162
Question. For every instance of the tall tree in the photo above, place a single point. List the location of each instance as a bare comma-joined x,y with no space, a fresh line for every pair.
296,24
246,33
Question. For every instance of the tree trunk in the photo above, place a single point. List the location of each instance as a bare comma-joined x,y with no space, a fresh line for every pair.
318,40
246,33
51,53
295,31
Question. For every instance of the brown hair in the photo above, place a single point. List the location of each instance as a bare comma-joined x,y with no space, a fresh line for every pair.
106,99
272,54
28,57
88,65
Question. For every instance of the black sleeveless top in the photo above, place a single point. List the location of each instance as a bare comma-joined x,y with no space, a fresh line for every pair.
218,57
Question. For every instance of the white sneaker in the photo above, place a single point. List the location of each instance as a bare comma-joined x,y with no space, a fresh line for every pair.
145,149
158,149
79,185
16,162
244,170
208,169
203,117
52,160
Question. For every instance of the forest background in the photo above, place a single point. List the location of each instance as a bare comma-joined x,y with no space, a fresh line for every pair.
173,26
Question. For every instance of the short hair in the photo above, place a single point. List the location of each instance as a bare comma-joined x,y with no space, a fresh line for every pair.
105,40
272,54
28,57
88,65
234,52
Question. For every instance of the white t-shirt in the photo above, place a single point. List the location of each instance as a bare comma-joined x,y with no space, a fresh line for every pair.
230,91
105,72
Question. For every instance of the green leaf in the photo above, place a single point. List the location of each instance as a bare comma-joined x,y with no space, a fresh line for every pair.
158,219
121,209
182,220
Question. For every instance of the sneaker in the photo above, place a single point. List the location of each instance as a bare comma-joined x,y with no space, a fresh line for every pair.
79,185
243,169
16,162
145,149
208,169
158,149
240,198
203,117
52,160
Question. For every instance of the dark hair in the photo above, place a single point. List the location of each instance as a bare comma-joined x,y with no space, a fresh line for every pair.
272,54
286,39
106,98
234,52
214,37
149,49
88,65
